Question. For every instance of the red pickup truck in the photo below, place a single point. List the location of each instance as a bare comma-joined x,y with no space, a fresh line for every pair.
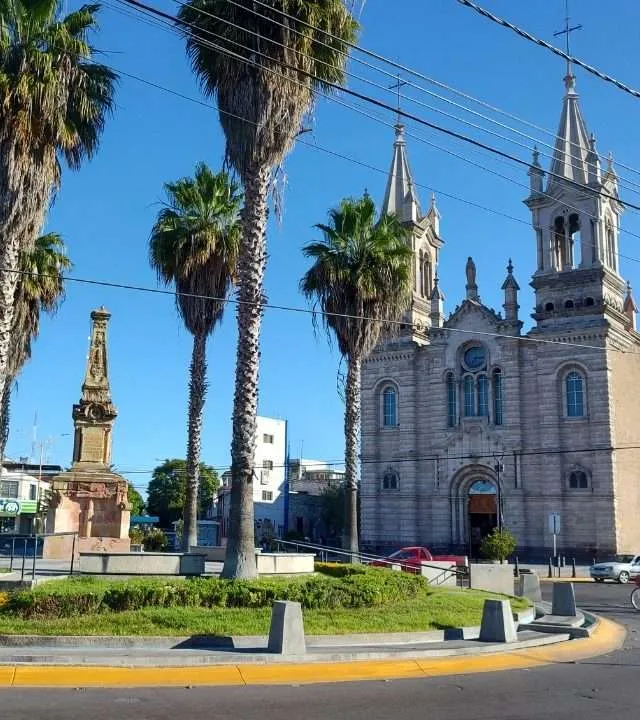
410,559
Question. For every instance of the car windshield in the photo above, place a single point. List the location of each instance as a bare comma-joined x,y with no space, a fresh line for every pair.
624,558
402,555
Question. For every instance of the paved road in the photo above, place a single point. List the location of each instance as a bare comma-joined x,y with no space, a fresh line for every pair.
605,687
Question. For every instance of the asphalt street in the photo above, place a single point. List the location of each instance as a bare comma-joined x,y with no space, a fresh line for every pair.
598,688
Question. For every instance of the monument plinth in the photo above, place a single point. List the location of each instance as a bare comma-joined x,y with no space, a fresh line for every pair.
90,499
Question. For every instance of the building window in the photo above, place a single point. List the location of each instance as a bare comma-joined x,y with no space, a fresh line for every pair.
267,464
389,407
267,439
267,496
469,396
33,489
483,396
568,305
497,397
390,481
549,307
452,403
589,302
9,488
578,480
575,394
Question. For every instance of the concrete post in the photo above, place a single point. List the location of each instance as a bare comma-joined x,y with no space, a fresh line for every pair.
563,601
528,586
286,634
497,622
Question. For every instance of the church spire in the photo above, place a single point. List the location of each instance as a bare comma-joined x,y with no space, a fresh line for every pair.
571,154
511,287
630,308
400,197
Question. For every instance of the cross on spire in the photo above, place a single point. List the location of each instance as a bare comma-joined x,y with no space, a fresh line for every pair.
398,85
567,31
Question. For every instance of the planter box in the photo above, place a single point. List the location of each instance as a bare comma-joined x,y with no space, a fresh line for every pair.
147,563
285,563
492,578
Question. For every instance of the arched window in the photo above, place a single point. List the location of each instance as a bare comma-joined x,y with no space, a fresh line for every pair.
390,480
589,302
549,307
497,396
421,273
568,305
452,401
469,396
559,243
389,407
574,383
578,480
483,396
575,241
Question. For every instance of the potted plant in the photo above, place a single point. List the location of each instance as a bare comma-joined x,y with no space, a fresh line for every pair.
498,545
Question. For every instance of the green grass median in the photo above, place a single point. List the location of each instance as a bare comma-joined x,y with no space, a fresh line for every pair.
337,600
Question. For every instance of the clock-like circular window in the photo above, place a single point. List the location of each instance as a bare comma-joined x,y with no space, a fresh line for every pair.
474,358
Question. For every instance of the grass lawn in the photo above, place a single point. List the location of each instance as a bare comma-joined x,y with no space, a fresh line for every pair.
435,609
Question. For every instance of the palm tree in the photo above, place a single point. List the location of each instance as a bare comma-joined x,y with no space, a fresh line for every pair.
264,68
54,102
194,244
361,281
40,289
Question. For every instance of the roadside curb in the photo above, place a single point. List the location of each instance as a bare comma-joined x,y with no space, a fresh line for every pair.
566,580
606,637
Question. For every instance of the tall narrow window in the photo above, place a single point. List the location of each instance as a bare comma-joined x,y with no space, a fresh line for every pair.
421,273
389,407
575,394
469,397
497,397
483,396
452,404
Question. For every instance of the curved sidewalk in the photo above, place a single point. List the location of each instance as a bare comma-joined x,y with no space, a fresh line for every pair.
248,669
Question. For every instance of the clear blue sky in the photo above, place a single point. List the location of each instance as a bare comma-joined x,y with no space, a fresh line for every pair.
106,210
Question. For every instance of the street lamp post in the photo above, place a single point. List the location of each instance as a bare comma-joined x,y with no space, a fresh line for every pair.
499,468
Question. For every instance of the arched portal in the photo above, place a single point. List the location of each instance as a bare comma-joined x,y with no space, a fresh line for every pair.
482,512
474,506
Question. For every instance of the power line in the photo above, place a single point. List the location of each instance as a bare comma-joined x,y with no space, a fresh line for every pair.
361,96
556,51
411,71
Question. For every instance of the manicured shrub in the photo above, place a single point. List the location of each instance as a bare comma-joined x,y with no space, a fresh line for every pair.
498,545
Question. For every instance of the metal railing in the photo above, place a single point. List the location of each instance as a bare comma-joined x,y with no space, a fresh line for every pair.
25,550
325,553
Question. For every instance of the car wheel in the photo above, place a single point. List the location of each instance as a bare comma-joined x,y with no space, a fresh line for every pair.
623,578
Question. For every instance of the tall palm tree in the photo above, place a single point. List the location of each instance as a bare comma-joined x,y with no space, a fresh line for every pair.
361,281
264,69
40,289
194,244
54,102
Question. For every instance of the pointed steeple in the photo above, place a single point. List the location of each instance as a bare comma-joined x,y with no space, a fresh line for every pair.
572,141
536,173
630,308
511,287
437,304
593,162
400,197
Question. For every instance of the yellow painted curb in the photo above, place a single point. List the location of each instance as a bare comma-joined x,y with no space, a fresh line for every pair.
607,637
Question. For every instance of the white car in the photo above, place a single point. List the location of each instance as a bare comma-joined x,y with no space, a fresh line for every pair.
620,569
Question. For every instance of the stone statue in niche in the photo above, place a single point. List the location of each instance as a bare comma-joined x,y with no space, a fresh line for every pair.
471,272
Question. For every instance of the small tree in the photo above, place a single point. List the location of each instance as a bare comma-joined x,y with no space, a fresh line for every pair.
498,545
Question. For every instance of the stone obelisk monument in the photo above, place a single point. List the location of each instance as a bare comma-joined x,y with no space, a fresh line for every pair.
90,499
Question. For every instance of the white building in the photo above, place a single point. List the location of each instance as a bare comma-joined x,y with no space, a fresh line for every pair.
467,423
20,493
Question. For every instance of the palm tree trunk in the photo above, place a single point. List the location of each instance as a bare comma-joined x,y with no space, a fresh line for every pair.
351,434
240,559
5,413
197,392
9,263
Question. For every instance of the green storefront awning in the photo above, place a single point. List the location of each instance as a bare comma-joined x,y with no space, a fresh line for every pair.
10,507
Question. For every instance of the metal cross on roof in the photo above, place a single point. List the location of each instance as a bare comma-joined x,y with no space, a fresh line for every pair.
398,85
567,27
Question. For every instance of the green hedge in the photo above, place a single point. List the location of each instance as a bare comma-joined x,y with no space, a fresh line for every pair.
334,587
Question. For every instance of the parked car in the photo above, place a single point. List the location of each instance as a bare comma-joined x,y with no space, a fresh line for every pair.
410,559
620,569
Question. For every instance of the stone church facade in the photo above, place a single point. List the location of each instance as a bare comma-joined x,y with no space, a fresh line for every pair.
469,423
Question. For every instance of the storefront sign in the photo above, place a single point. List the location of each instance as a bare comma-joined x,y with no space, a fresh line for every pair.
12,507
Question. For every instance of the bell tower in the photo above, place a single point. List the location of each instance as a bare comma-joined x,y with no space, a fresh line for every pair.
576,220
401,199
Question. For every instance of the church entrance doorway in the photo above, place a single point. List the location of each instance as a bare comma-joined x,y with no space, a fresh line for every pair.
482,513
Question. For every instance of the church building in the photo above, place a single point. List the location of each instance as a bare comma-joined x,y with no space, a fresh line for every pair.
468,423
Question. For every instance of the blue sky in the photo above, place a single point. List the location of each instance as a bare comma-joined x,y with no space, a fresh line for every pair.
105,212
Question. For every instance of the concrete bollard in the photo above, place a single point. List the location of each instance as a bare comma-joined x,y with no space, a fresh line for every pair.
497,622
563,601
528,586
286,634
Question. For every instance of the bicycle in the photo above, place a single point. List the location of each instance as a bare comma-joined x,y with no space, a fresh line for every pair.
635,595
